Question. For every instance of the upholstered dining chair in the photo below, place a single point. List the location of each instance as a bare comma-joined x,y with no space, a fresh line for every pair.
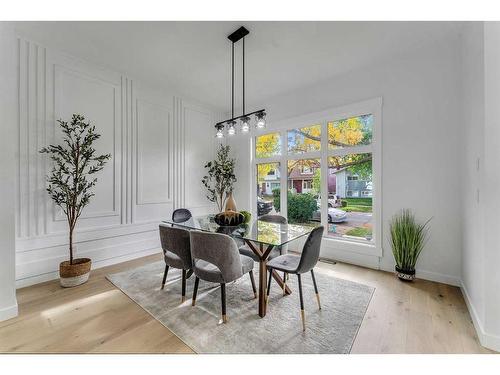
216,259
299,264
278,250
176,253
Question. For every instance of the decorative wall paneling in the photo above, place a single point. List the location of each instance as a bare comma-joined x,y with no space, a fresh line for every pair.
154,137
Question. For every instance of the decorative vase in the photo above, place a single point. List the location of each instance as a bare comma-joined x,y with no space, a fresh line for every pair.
74,274
230,203
229,219
405,275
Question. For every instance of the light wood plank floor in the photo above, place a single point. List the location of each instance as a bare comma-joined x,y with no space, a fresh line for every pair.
418,317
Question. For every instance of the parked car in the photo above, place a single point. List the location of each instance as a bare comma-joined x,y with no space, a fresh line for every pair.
333,199
334,215
263,207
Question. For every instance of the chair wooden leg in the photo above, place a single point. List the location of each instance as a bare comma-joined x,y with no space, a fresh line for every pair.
301,304
223,300
183,297
316,289
195,290
269,283
164,277
284,284
252,280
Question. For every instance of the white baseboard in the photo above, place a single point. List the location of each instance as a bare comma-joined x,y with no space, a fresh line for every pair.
363,260
21,283
8,312
487,340
371,261
437,277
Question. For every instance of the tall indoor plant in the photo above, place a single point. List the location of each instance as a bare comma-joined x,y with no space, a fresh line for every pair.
70,185
407,240
220,177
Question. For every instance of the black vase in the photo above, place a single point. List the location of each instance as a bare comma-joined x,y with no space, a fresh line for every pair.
405,275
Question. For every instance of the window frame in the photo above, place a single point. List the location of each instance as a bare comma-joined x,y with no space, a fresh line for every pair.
371,106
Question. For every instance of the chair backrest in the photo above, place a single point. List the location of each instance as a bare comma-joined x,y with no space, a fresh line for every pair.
279,220
310,252
176,240
274,219
181,215
219,250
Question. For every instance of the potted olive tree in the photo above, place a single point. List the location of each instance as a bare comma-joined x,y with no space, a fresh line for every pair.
407,240
70,185
220,179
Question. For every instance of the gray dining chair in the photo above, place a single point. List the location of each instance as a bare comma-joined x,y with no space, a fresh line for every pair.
176,253
181,215
299,264
278,250
216,259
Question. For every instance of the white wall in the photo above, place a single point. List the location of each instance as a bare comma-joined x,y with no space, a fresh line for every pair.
8,303
421,146
473,164
481,251
492,183
154,138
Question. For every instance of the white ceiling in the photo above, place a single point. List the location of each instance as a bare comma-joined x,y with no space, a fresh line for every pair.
193,58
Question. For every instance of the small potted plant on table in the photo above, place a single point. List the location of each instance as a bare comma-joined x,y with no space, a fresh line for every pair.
407,241
70,185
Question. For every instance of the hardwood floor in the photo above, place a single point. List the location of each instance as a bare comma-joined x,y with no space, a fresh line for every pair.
418,317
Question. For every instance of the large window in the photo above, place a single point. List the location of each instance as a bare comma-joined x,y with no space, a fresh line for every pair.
268,188
324,172
304,187
350,184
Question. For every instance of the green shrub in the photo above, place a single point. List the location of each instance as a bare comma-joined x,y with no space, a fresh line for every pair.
276,199
301,207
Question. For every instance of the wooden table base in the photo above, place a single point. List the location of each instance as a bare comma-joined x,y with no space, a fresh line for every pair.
263,255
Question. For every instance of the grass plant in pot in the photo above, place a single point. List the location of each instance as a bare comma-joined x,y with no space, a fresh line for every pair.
70,185
407,241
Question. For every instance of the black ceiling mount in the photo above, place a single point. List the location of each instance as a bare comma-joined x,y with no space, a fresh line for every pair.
238,34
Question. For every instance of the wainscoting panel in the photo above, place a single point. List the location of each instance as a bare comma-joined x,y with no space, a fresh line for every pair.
158,142
98,101
151,155
199,148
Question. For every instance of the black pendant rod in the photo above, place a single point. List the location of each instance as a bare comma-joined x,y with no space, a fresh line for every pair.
243,75
232,81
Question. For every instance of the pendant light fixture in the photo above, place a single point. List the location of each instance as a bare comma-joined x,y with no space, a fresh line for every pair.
260,115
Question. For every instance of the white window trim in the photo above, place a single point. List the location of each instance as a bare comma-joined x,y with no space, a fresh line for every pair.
371,106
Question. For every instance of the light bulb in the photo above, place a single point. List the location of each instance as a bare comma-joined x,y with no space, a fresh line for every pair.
261,120
219,133
231,130
245,127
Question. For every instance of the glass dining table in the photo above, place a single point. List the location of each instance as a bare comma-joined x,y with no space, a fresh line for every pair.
260,236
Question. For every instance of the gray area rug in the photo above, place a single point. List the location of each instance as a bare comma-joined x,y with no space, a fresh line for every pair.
329,330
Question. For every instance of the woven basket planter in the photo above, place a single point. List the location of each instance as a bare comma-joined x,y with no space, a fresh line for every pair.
74,274
405,275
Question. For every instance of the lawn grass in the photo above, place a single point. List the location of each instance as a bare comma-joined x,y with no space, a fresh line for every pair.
359,232
358,204
358,201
